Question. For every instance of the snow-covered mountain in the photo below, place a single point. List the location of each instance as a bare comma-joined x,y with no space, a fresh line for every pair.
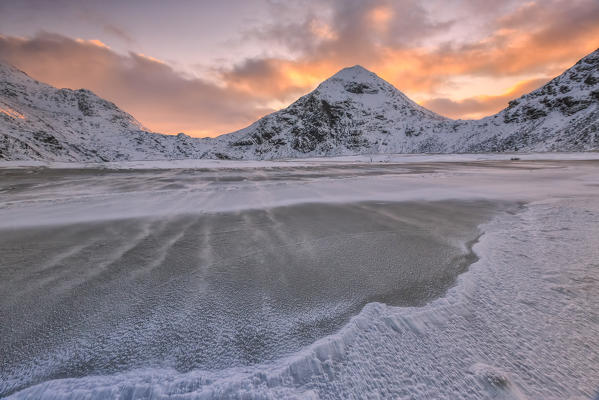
40,122
353,112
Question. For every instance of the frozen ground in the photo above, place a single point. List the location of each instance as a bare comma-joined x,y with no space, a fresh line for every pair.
320,280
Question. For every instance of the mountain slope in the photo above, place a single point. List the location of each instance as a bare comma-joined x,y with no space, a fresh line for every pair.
40,122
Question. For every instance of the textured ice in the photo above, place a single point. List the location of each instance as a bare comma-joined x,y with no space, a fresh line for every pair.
219,290
522,322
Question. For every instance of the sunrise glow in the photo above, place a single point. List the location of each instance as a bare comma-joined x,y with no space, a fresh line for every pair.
11,113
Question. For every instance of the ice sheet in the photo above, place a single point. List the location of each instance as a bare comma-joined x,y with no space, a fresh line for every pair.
521,323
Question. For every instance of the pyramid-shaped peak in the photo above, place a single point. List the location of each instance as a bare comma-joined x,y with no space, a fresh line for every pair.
356,68
355,80
357,73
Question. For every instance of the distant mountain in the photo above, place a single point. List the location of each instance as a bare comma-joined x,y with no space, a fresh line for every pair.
352,112
40,122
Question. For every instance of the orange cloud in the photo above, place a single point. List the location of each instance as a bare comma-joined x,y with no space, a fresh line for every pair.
561,32
150,58
95,42
322,30
380,16
149,89
481,106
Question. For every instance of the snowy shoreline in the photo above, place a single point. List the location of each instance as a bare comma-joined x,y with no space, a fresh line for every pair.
307,162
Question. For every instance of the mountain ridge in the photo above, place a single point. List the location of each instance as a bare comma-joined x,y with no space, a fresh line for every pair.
352,112
38,121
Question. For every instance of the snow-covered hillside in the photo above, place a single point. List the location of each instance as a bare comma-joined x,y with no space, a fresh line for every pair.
353,112
40,122
562,115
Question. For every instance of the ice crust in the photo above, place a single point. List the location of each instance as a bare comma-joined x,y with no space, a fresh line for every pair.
55,196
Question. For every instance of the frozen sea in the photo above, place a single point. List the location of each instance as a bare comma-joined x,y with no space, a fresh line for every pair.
416,277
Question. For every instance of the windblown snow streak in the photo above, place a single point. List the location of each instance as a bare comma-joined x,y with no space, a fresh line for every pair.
353,112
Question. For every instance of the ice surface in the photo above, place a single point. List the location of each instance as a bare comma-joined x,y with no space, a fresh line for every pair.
217,291
522,322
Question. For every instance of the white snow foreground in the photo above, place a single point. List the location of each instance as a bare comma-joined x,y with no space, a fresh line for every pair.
353,112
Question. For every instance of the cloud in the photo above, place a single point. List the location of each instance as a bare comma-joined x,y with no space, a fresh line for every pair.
480,106
107,26
118,32
530,39
334,34
393,38
348,31
147,88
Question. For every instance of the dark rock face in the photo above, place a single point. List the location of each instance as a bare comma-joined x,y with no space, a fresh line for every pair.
46,138
322,122
83,103
310,124
567,105
10,145
360,88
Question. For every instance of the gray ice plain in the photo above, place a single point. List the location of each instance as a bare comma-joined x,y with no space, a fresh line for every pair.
417,277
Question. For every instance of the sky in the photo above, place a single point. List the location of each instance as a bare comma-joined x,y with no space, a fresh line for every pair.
212,67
